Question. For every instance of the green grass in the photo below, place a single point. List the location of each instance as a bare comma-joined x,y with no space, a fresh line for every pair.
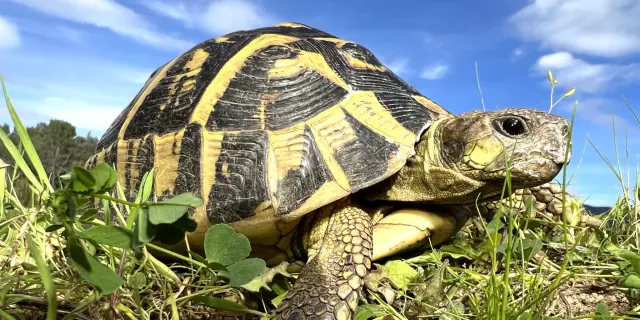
59,260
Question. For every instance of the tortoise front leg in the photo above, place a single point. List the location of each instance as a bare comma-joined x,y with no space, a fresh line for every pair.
338,241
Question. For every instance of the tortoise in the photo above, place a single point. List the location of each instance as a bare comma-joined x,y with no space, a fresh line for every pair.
316,151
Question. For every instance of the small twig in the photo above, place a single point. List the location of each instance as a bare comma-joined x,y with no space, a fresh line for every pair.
31,301
114,295
566,305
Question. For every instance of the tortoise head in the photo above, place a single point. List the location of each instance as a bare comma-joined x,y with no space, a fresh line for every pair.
463,156
531,144
482,147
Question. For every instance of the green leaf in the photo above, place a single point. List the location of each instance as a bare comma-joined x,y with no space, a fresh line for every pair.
528,247
146,186
267,278
168,233
92,270
632,257
185,223
400,273
276,301
222,304
72,206
242,272
138,280
143,231
109,235
602,312
172,209
456,252
222,244
368,311
47,280
631,280
53,227
5,290
83,180
494,225
89,215
105,177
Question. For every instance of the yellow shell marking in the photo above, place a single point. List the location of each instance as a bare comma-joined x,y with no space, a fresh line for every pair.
288,148
360,64
306,60
337,41
198,57
152,85
432,106
191,68
290,24
364,106
219,85
331,130
211,147
167,154
134,173
123,145
330,191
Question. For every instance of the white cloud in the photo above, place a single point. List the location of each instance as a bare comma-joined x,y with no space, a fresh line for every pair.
216,17
605,28
230,15
586,77
435,72
174,10
9,34
80,113
602,111
68,33
399,66
518,52
84,90
110,15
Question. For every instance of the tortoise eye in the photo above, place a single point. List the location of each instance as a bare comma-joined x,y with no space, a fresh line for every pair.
512,126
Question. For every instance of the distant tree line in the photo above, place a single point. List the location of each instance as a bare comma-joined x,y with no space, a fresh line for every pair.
57,144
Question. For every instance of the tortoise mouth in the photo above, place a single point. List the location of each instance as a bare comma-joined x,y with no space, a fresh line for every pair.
535,171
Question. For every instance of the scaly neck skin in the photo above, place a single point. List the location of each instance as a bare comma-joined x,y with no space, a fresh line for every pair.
425,178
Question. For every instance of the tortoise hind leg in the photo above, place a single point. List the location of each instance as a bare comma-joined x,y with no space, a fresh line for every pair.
338,241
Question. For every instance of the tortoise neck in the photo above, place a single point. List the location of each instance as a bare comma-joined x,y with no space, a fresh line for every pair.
413,183
426,177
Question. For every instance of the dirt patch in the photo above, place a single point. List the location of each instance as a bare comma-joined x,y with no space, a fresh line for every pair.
580,298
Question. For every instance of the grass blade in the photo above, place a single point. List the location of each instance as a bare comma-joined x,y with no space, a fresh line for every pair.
19,160
26,141
47,280
3,187
5,315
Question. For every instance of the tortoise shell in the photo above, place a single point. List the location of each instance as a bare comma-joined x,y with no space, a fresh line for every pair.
267,124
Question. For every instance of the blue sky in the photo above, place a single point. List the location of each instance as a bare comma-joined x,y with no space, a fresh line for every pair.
83,60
